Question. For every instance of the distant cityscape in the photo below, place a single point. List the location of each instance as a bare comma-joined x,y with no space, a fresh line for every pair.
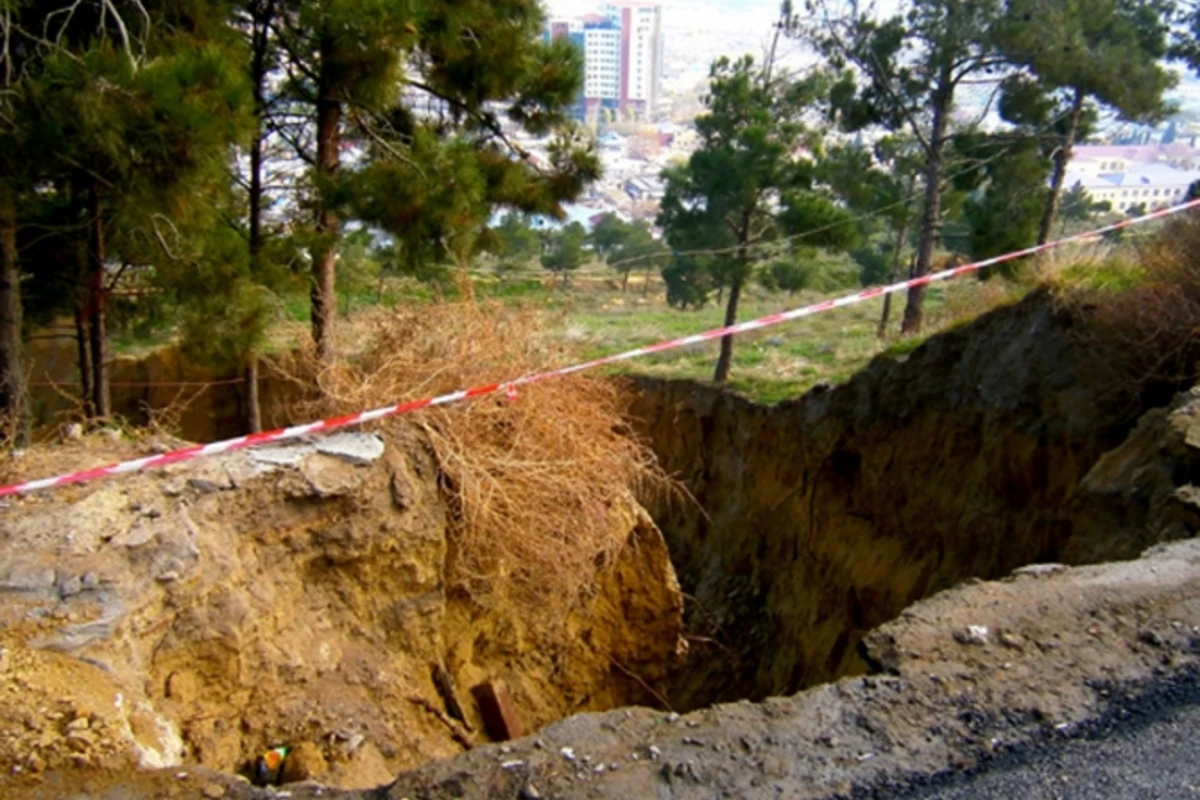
623,50
646,64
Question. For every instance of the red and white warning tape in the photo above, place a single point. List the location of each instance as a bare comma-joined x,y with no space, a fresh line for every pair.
510,387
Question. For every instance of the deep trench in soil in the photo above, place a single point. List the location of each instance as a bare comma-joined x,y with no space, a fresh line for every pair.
820,518
315,615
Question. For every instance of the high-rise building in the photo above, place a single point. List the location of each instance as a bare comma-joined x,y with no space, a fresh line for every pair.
640,22
622,56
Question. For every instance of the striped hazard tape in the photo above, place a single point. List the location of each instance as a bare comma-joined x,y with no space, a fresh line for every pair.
509,388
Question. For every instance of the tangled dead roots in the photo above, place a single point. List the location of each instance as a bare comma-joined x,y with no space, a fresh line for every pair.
535,483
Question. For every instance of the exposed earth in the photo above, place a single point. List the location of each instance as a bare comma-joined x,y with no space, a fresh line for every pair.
929,568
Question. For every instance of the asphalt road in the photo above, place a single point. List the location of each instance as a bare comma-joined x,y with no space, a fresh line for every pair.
1154,759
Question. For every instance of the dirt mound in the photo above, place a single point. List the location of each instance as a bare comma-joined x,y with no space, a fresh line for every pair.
295,595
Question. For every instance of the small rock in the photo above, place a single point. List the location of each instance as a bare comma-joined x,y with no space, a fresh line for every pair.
599,768
1151,638
70,586
213,791
1014,641
78,724
27,579
1039,569
304,762
512,764
530,792
567,753
357,448
672,717
90,581
655,753
972,634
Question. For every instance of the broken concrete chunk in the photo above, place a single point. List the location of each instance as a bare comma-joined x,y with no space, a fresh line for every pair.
209,477
282,455
498,710
357,448
972,634
136,536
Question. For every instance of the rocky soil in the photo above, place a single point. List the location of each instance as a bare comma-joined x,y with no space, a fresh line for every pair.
293,595
962,676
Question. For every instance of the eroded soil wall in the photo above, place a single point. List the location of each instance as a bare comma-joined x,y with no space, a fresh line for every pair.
820,518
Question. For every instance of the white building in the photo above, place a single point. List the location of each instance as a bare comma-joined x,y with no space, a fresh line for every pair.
1150,185
640,24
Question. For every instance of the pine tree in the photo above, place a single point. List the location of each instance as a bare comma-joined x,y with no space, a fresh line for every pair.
879,186
903,72
747,184
130,120
415,91
1107,52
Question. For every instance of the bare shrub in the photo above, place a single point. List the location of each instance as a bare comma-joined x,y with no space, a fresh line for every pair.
534,482
1142,315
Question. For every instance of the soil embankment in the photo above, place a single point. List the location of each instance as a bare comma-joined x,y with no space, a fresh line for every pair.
301,598
819,519
295,595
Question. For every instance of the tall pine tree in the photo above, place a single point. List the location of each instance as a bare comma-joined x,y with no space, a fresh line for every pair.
1107,52
904,72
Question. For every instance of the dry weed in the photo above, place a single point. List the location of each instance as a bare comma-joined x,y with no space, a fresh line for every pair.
1142,318
534,482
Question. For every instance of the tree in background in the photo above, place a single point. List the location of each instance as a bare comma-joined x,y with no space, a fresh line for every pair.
903,72
131,120
880,187
1104,51
563,251
750,183
514,241
413,88
625,246
1078,206
689,282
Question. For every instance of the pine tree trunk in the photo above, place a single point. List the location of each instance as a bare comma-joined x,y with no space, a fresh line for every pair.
258,76
1061,159
13,395
253,407
97,310
625,282
646,283
931,214
893,273
324,252
84,357
731,310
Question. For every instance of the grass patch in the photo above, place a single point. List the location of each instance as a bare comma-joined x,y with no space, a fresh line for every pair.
902,347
